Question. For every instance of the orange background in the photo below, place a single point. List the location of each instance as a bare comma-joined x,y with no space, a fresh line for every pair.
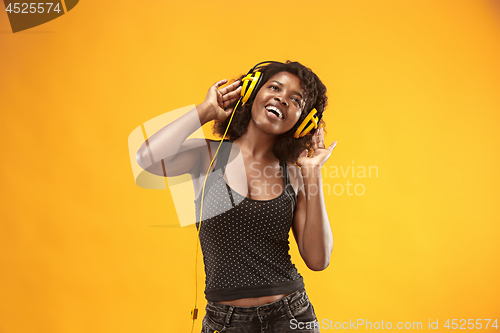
414,90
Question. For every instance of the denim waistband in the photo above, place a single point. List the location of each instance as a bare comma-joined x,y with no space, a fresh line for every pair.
282,306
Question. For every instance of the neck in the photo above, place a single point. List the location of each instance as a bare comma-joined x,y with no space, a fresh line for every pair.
256,143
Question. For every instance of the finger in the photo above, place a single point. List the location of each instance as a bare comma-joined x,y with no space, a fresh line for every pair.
321,139
231,100
333,145
315,141
219,83
229,88
219,98
232,94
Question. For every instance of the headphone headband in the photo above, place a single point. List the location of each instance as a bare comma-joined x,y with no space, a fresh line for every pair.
265,62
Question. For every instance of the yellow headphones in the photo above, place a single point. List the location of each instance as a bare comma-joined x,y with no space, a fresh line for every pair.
251,83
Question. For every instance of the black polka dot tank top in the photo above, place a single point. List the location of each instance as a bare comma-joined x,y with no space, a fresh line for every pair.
244,241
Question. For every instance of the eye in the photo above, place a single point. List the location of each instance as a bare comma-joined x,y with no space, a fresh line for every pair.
296,100
274,87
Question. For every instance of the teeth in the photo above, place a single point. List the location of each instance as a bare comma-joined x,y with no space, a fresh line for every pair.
273,108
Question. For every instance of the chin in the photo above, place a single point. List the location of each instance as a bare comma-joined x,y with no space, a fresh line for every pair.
267,126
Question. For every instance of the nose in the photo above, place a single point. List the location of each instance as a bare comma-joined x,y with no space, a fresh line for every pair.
281,100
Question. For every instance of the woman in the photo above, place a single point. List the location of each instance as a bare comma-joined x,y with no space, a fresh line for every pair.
262,181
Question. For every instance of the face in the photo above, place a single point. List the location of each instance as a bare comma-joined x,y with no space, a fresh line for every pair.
278,104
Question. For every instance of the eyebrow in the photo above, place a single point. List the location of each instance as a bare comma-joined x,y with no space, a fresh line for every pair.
294,92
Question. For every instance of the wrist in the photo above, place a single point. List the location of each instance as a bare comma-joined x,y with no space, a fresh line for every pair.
203,110
310,171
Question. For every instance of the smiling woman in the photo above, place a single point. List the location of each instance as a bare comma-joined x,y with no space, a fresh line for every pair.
251,283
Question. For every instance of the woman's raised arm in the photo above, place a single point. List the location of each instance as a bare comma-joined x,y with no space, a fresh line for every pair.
169,144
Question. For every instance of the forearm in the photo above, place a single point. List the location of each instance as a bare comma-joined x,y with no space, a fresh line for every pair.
166,143
317,240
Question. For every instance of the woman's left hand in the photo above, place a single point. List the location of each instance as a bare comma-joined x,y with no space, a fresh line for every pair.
320,155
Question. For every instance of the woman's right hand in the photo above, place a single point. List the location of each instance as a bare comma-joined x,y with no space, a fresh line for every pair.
219,99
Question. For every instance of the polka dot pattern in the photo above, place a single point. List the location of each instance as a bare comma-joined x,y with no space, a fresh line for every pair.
245,241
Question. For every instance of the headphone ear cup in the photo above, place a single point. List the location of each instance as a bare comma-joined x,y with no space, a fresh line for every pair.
309,124
250,86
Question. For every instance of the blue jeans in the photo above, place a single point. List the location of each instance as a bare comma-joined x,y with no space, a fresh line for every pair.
292,313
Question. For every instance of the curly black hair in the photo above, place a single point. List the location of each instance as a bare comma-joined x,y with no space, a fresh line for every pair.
287,148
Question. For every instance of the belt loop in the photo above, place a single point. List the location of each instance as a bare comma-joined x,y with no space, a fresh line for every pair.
229,313
287,308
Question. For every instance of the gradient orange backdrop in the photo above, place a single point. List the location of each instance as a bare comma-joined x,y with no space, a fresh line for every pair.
413,90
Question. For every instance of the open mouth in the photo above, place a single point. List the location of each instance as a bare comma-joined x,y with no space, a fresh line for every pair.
274,111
